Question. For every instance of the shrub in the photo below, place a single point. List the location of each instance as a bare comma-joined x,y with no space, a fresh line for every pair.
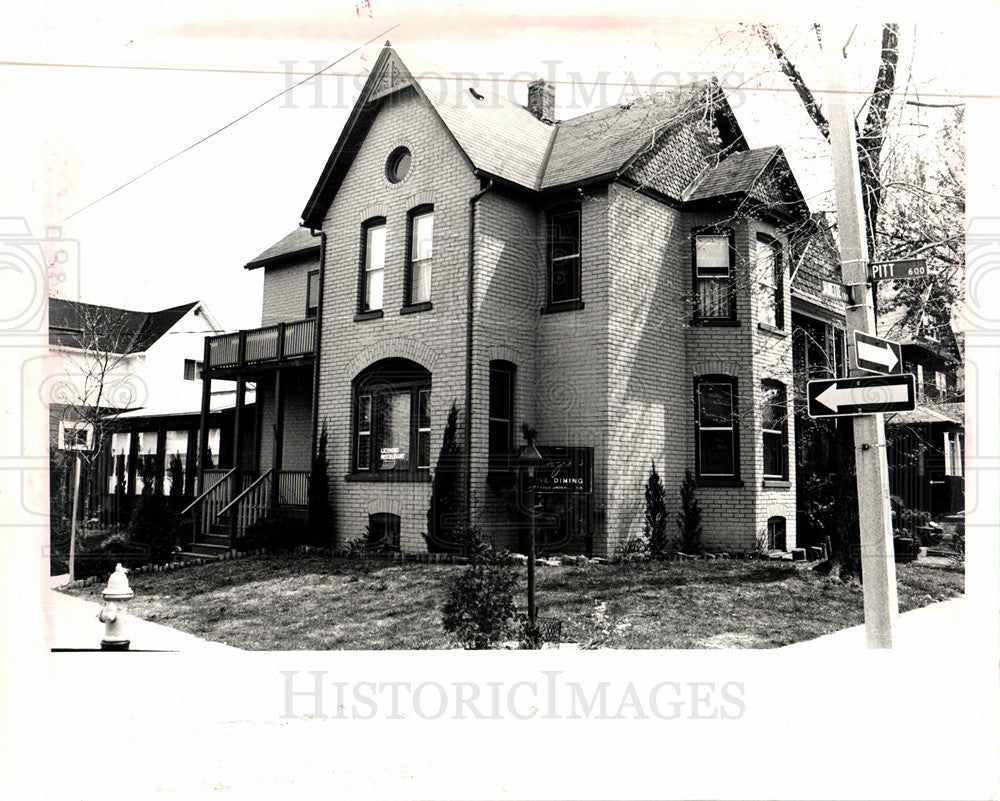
689,516
275,534
176,479
479,610
97,555
155,524
445,505
654,526
634,549
319,494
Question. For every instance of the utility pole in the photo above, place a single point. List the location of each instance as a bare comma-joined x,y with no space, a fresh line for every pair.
878,564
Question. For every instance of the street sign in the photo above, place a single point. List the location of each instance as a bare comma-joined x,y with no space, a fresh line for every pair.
847,397
877,355
904,268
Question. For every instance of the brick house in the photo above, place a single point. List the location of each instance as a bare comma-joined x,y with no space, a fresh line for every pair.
622,281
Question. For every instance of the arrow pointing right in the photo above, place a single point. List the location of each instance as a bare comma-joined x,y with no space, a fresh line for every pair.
885,356
833,397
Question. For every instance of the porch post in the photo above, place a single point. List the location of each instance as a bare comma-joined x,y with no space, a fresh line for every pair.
133,458
161,460
279,436
206,409
241,389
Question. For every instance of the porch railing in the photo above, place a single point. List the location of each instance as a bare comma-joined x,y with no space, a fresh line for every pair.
293,487
250,505
272,343
208,505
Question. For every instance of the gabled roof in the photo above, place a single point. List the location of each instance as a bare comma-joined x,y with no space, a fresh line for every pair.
502,139
734,175
83,325
297,242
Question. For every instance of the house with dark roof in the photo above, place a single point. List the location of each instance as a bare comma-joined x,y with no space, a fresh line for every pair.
623,282
926,446
131,379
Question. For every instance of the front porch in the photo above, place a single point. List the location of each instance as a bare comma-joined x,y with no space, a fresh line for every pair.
268,474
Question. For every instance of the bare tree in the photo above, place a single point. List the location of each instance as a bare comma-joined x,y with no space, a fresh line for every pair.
97,382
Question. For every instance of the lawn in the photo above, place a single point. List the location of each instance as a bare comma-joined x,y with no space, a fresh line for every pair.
298,601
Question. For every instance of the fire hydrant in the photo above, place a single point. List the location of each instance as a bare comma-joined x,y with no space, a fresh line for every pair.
113,615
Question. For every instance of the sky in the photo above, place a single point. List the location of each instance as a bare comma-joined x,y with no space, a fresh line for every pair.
104,92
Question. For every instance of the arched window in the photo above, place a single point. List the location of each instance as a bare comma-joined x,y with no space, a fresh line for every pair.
392,423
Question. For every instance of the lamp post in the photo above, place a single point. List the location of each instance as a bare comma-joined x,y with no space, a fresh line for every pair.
528,461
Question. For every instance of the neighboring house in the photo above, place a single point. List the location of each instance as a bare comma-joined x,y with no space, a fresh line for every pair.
926,446
622,281
108,366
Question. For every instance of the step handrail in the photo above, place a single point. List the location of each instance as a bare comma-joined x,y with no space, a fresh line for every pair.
207,492
239,497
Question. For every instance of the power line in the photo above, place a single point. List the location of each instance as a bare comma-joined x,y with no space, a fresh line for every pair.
227,125
493,76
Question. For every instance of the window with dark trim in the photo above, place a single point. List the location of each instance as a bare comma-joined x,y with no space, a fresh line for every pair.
563,226
192,370
716,427
769,271
372,265
501,433
714,269
774,427
392,421
383,531
312,293
419,255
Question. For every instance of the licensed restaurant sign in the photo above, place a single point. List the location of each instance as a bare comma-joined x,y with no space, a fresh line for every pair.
565,470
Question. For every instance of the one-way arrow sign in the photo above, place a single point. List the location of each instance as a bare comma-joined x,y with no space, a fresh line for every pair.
877,355
846,397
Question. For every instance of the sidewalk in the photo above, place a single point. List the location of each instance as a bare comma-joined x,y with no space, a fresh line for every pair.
939,627
72,622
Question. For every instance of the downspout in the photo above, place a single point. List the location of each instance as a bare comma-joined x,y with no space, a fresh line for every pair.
470,300
319,328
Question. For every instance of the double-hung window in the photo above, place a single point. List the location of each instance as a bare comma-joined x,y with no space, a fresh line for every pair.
501,434
421,256
392,427
774,427
713,276
563,224
312,293
716,429
769,272
373,265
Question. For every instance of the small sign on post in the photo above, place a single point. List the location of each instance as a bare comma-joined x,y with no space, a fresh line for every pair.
902,269
849,397
877,355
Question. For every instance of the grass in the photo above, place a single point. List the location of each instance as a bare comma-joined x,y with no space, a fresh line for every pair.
296,602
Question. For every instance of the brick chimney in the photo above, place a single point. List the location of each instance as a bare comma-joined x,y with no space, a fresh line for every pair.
542,100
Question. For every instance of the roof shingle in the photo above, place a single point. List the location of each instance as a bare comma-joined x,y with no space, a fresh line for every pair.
83,325
298,240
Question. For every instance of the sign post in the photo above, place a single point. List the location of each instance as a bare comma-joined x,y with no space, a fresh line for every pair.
872,471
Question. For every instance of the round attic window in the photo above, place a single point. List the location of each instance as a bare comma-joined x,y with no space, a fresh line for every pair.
398,164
